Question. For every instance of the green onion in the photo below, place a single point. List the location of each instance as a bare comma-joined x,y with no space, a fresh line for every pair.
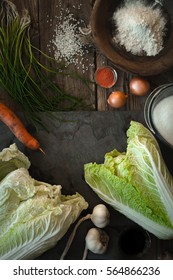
22,75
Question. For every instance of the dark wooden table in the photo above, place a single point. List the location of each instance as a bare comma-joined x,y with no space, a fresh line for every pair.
45,17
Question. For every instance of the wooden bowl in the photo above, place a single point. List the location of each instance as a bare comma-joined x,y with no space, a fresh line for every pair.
101,27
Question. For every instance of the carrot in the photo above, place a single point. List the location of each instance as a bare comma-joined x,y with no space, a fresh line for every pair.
8,117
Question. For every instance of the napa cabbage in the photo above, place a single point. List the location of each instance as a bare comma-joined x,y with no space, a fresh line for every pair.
34,215
137,182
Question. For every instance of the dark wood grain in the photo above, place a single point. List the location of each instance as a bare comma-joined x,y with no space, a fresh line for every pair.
45,16
49,18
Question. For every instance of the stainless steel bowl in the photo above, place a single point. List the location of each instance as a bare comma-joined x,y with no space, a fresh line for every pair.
154,118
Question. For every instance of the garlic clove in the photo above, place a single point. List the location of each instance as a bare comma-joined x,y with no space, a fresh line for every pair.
100,216
97,241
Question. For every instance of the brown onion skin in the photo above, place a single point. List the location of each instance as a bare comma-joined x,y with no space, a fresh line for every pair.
139,86
117,99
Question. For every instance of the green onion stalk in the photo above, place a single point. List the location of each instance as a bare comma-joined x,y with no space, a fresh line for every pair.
22,75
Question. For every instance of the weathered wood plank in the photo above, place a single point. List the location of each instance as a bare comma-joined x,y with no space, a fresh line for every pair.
52,15
46,16
32,7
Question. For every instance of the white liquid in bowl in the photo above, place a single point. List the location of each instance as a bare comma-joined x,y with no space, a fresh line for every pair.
162,117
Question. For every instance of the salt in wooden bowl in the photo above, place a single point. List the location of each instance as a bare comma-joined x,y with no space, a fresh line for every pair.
101,27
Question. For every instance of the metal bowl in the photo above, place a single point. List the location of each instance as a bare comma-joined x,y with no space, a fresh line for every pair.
101,27
154,120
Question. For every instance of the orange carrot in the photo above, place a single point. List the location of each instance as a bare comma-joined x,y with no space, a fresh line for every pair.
8,117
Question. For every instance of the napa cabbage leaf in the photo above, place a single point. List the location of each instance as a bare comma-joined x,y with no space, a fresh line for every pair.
12,158
34,215
137,182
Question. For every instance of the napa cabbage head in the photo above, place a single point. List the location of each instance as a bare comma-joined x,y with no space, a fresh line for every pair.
137,182
34,215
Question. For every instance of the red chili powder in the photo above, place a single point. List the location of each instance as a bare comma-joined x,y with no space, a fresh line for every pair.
105,77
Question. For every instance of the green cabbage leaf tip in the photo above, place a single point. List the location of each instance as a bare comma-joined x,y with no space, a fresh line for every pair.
137,182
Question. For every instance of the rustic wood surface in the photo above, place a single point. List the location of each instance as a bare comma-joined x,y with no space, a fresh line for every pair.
45,16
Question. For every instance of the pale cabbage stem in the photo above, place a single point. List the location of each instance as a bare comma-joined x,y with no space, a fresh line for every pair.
162,185
166,195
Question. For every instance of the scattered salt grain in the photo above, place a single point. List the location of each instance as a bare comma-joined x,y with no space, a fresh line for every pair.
68,43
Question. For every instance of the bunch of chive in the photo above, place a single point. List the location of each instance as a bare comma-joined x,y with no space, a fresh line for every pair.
22,75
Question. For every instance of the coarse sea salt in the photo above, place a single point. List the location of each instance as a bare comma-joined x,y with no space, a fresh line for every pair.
140,27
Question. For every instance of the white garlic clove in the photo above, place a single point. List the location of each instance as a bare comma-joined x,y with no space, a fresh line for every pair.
97,241
100,216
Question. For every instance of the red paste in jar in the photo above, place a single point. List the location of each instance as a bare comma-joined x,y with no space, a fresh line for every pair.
105,77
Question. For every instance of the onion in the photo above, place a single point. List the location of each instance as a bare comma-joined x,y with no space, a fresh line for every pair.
139,86
117,99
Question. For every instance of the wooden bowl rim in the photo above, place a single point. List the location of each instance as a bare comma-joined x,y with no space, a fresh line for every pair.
143,66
